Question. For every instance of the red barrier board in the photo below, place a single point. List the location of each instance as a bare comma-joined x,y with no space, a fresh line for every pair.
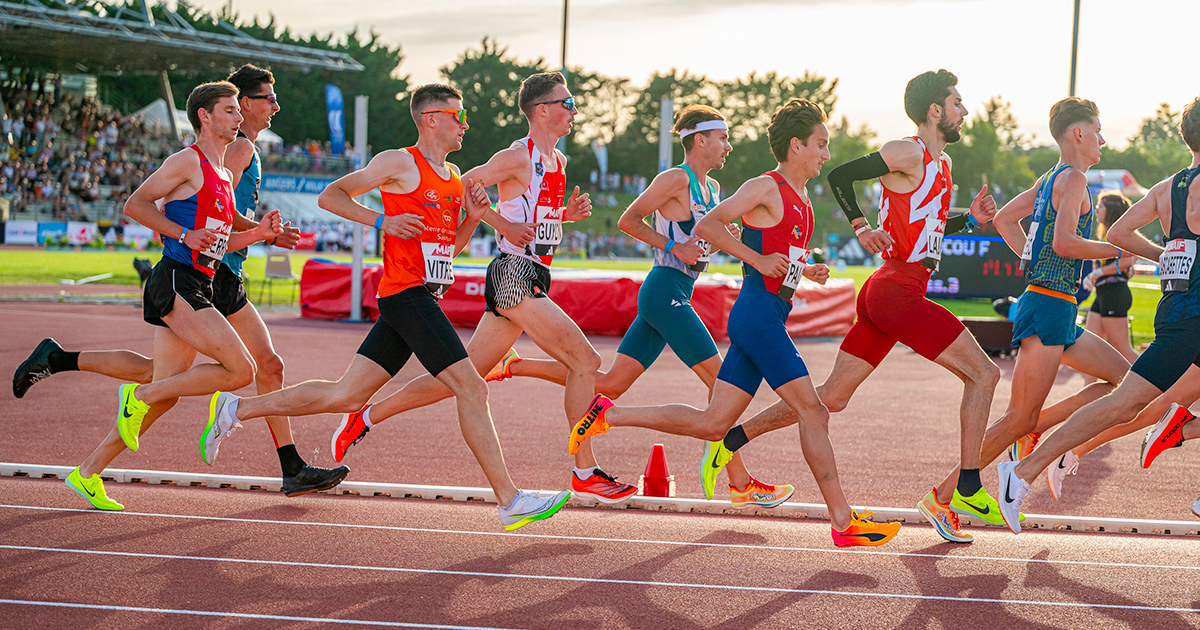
600,302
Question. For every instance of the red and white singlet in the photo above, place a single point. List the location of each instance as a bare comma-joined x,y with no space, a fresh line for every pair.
542,203
916,221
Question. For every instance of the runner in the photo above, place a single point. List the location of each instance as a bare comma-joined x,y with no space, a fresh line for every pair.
777,225
1175,202
422,196
532,185
1108,316
677,200
229,298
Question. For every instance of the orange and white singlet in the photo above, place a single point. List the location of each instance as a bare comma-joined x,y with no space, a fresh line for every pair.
541,203
916,221
428,259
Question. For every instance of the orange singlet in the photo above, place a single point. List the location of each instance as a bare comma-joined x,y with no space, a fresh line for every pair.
427,260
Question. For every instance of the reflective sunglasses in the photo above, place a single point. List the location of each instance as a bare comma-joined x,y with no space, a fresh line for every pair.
568,102
270,98
459,114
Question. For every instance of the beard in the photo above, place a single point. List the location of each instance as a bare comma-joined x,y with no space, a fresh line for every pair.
950,132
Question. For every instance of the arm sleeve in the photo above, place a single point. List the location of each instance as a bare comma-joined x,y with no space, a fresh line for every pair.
957,224
842,179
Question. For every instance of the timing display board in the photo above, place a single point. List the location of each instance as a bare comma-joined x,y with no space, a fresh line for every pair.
975,267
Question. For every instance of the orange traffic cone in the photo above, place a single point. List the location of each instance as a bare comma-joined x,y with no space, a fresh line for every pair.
657,481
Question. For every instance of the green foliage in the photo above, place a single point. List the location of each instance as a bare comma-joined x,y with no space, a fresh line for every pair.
1155,152
991,147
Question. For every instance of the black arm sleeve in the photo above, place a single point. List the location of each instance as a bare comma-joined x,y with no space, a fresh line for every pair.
842,178
954,225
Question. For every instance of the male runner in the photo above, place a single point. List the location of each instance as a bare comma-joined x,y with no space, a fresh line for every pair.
254,85
532,184
892,307
677,199
422,196
1176,345
777,225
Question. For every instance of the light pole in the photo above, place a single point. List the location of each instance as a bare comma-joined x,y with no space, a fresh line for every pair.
562,142
1074,48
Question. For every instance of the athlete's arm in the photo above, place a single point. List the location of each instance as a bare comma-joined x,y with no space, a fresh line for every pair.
506,165
388,166
237,159
170,181
578,207
268,228
1072,185
1008,219
667,185
1155,205
983,208
842,178
475,204
753,195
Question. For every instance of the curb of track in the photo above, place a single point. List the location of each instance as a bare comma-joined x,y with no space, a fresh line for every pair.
671,504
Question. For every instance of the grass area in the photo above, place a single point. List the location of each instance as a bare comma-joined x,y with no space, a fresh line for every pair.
18,267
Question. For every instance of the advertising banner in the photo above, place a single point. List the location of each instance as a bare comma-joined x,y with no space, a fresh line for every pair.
21,233
336,114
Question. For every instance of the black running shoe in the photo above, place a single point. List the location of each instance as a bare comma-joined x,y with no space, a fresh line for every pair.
35,368
313,479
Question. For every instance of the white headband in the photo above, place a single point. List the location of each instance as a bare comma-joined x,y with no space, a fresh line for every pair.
707,125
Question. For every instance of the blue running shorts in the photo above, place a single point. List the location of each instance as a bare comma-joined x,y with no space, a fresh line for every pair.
1051,319
759,346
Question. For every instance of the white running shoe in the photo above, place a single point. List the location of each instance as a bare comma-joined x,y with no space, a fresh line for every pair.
221,423
528,507
1196,507
1068,464
1011,497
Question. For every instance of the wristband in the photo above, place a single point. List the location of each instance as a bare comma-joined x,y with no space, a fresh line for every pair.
862,228
971,221
379,222
670,244
183,235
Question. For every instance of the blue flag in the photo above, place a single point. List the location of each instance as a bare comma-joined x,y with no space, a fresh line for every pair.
337,126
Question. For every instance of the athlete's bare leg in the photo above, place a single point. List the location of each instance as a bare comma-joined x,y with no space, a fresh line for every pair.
1185,392
966,360
802,398
613,383
727,404
123,365
269,377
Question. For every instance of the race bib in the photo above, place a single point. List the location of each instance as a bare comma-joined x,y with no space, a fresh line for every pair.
933,254
439,267
701,263
549,230
212,256
1027,251
1175,264
797,257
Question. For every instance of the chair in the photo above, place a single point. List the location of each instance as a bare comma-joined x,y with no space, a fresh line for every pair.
279,267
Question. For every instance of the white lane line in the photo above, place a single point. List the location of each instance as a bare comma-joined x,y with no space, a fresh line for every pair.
425,530
214,613
592,580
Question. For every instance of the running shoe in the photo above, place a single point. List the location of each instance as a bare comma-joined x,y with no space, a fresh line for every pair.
1168,433
1196,507
715,458
602,487
350,432
943,519
592,423
759,494
528,507
1013,491
980,506
503,369
35,368
221,423
1068,464
1023,447
92,489
313,479
864,533
130,413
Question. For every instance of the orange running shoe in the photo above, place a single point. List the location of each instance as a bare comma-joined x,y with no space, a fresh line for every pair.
1167,433
350,432
864,533
592,423
1023,447
503,369
759,494
602,487
943,519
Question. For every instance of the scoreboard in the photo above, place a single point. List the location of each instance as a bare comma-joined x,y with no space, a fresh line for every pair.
976,267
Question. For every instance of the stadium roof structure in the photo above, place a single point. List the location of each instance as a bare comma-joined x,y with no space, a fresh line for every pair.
102,37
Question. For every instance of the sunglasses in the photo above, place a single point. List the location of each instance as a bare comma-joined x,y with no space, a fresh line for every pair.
270,98
568,102
459,114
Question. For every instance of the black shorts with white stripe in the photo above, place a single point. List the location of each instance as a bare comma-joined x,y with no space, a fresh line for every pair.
168,279
511,279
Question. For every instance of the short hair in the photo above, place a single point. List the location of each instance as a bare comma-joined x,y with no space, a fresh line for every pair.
430,93
1114,204
925,89
249,79
205,96
537,86
795,119
1069,111
693,115
1189,125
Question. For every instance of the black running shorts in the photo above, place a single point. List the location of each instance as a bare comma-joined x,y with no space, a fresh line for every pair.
1176,347
229,296
511,279
168,279
1112,300
411,322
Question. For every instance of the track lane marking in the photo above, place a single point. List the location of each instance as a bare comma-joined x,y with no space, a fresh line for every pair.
424,530
592,580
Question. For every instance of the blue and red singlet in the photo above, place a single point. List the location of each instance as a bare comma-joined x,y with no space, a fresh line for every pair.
211,208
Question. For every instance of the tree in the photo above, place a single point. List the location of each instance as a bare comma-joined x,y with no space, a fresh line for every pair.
1155,152
991,147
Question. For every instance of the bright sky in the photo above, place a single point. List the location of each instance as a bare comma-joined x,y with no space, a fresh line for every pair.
1132,56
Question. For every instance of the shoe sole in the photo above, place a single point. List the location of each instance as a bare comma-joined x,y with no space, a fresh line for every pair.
212,421
1160,427
321,488
767,505
605,500
333,440
539,516
937,525
859,542
24,367
85,496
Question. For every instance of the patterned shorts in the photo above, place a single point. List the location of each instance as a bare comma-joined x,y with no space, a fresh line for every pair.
511,279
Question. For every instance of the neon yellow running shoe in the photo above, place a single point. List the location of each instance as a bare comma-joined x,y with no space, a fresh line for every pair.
980,506
715,458
92,489
130,414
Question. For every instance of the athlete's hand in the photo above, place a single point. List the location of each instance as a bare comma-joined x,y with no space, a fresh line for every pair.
579,207
735,230
983,207
688,251
200,240
270,226
1089,281
519,234
475,199
771,265
875,241
403,226
818,273
289,238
